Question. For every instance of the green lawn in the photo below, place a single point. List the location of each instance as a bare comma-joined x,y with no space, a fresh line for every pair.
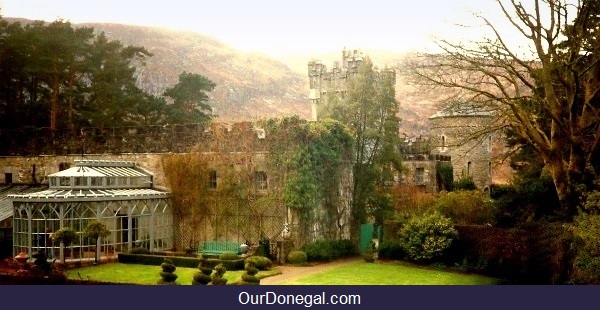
144,274
362,273
359,273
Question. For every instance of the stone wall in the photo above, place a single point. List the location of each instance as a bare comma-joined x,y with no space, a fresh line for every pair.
420,170
35,169
213,137
464,139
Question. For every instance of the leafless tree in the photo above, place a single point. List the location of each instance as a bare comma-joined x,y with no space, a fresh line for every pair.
548,97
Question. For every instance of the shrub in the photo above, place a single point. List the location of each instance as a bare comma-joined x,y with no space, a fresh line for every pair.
187,262
66,235
465,183
297,257
586,231
326,250
139,251
228,256
426,237
318,251
525,200
343,248
466,207
391,250
368,256
217,276
250,276
260,262
168,273
202,277
412,200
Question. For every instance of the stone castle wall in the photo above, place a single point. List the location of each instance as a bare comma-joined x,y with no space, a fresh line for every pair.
29,155
463,138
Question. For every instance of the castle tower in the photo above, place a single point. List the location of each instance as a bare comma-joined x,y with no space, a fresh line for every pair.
459,132
323,82
315,74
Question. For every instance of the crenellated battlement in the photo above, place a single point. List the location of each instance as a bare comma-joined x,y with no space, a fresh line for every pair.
143,139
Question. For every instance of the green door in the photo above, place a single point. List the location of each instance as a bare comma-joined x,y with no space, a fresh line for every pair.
366,235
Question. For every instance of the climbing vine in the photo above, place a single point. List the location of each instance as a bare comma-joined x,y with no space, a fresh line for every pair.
312,156
304,163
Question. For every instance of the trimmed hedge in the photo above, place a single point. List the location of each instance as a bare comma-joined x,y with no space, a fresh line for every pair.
326,250
186,262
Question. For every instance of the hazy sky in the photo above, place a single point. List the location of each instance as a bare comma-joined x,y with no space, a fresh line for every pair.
276,27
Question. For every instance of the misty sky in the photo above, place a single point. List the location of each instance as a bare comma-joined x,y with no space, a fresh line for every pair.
278,27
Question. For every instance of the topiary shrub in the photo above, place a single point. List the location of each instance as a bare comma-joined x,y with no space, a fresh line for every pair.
202,277
168,273
260,262
426,237
250,278
390,250
297,258
228,256
139,250
217,276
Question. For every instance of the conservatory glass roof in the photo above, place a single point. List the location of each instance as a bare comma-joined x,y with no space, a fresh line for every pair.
97,180
93,168
91,194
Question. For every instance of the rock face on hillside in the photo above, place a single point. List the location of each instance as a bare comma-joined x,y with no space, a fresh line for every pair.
249,85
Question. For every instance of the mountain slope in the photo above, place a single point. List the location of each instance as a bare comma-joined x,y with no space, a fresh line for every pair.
249,85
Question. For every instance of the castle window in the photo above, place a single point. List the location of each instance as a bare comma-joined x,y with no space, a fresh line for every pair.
8,178
212,179
489,146
490,168
63,166
260,180
444,144
420,176
469,168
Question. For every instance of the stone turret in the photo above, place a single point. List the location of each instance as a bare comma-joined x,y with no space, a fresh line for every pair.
460,132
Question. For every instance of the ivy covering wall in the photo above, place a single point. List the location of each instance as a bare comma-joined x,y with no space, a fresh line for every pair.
307,174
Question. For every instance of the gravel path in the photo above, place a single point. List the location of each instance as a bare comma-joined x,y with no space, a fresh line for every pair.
289,272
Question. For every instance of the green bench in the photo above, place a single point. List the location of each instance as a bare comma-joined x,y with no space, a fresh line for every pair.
218,247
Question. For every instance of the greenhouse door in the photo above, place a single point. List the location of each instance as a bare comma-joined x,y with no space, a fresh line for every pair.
126,230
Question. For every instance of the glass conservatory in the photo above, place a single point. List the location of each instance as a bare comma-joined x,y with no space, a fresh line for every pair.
118,194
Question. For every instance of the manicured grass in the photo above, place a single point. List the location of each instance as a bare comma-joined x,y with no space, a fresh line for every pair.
144,274
362,273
